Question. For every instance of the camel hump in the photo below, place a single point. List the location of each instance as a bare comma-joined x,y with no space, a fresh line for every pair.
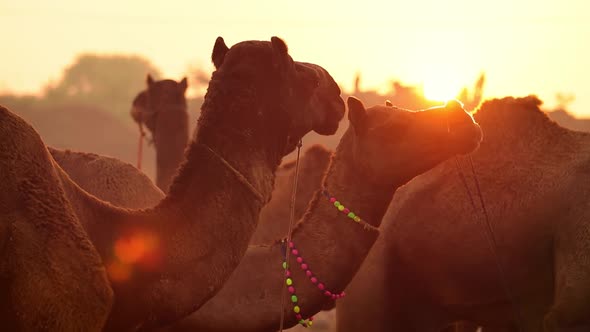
318,154
318,149
18,137
109,179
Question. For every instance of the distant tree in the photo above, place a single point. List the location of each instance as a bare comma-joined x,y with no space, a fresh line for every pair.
109,82
564,100
198,80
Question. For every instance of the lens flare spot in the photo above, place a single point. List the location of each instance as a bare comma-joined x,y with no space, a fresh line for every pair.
134,248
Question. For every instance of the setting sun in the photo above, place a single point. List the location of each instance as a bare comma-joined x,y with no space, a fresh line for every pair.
441,88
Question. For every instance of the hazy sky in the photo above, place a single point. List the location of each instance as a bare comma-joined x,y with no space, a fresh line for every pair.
524,46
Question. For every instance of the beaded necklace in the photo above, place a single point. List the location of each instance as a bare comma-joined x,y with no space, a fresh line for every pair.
308,322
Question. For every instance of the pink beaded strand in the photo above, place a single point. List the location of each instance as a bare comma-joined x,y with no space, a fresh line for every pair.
291,289
314,280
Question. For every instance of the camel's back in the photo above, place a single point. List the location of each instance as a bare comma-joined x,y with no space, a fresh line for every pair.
109,179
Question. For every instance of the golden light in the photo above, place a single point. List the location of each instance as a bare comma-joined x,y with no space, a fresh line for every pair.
441,87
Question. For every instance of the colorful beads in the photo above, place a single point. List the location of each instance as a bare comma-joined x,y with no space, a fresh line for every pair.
342,208
314,280
296,309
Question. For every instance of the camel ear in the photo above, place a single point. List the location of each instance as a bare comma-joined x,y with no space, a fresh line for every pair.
357,115
219,51
149,80
388,103
280,53
183,84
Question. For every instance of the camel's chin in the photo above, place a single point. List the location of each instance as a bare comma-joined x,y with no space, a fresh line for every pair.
468,139
290,147
327,130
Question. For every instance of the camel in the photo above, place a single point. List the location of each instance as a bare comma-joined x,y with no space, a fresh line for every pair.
162,109
51,276
383,148
160,266
433,264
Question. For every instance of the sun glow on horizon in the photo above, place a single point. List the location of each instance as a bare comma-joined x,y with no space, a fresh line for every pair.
441,88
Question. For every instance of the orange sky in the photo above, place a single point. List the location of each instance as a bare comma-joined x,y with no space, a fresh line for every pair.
524,46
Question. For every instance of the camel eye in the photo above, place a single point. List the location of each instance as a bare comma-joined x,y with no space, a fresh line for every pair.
391,130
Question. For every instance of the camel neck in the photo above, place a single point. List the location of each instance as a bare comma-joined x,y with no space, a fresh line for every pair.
171,137
200,231
329,239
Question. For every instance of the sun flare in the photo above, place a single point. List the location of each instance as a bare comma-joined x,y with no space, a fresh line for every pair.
441,88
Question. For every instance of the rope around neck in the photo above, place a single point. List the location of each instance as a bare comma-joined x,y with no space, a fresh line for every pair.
140,146
243,180
493,244
289,233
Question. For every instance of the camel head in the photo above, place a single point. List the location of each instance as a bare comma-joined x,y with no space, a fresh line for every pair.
393,145
161,101
326,99
297,97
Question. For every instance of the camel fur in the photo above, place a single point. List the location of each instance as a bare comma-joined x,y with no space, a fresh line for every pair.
51,276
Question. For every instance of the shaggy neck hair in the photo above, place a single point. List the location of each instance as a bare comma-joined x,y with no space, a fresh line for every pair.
229,112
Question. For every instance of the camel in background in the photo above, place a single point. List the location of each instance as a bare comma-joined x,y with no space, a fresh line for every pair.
267,111
162,109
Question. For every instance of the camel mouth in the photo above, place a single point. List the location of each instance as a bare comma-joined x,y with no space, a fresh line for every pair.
466,137
334,113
